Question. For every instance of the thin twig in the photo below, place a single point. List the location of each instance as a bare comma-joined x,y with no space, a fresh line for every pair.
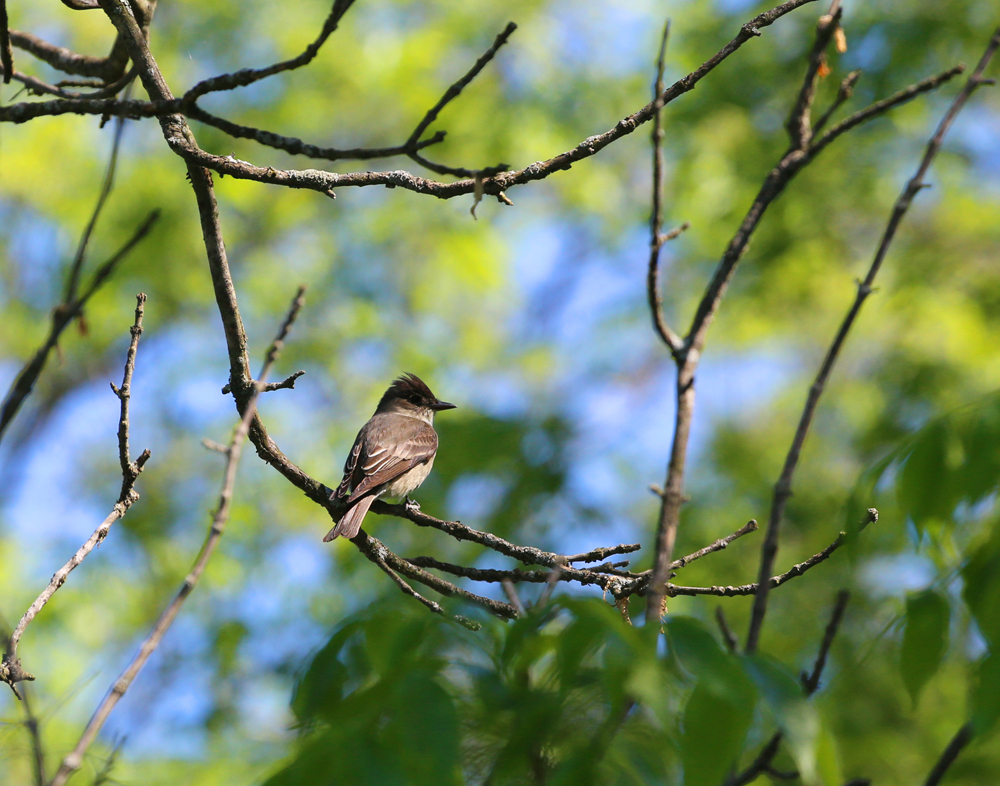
74,759
879,108
511,592
657,238
810,682
844,93
11,671
721,543
776,581
962,738
732,643
783,488
595,555
107,68
296,146
73,280
247,76
453,92
37,749
62,315
377,552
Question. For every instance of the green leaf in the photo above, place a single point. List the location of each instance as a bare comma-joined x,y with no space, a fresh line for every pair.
720,709
921,490
827,758
984,695
981,590
714,728
925,639
797,717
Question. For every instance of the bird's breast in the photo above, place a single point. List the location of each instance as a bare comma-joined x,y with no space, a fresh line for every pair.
409,481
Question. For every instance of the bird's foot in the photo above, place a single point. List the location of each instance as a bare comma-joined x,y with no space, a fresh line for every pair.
411,504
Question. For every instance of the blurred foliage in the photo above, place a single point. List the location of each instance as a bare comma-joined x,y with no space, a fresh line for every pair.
533,320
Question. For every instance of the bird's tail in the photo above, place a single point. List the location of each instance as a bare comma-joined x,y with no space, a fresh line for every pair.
349,525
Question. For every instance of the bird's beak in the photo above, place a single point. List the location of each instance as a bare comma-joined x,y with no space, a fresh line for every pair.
437,406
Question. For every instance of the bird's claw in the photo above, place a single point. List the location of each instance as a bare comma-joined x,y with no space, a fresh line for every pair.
411,504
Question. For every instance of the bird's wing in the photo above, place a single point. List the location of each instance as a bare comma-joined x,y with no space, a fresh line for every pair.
349,466
381,463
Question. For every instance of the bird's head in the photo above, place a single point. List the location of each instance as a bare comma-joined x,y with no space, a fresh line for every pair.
409,395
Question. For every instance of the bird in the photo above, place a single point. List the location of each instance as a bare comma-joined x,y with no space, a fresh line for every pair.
392,454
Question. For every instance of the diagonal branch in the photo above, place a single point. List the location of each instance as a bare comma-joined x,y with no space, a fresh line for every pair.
73,760
247,76
450,95
10,668
453,92
783,488
62,315
962,738
810,682
881,107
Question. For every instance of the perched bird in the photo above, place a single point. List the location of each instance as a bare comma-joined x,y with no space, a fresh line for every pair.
392,454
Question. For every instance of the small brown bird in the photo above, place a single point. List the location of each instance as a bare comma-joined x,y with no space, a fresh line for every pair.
392,454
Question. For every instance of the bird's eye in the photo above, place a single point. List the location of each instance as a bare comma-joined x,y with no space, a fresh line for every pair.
413,398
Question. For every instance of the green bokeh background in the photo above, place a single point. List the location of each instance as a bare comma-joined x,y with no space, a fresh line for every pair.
533,319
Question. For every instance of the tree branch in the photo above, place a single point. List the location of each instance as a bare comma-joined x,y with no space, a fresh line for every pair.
6,53
962,738
802,152
453,92
11,671
775,581
62,315
73,760
247,76
783,488
810,682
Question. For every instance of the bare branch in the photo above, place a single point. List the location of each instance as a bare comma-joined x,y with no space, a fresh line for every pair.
73,280
962,738
844,93
721,543
62,315
183,143
108,68
248,76
296,146
801,152
881,107
6,54
73,760
10,669
453,92
37,749
775,581
727,634
810,682
783,488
